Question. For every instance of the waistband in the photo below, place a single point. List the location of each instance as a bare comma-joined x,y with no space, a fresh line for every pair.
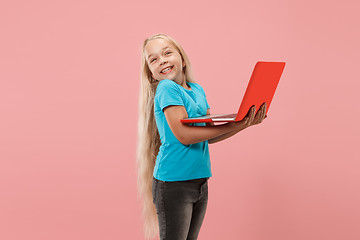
197,180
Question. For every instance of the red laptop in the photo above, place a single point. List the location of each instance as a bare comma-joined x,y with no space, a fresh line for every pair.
261,88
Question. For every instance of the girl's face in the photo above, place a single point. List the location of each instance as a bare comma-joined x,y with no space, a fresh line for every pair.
160,55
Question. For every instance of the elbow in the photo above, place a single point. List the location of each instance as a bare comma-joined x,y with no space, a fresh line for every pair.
188,142
184,141
182,137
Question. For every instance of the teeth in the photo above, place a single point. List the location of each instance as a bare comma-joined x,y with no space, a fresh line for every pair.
166,69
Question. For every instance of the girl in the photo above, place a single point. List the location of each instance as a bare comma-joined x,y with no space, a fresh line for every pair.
173,158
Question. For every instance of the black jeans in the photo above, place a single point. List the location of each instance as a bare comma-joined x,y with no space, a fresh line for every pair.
180,207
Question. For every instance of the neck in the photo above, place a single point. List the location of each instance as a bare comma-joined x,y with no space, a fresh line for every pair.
183,83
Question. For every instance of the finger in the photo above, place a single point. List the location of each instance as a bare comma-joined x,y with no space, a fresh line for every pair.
259,112
248,113
263,112
246,120
252,114
255,119
253,110
265,107
260,115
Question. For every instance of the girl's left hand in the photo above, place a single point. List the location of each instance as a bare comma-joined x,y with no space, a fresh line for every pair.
260,115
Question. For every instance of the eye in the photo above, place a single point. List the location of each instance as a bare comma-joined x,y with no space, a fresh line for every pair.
168,52
152,60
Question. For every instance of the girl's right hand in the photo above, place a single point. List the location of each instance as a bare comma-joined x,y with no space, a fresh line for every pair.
250,118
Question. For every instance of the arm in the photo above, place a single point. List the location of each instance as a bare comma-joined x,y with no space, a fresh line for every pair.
193,134
249,120
224,136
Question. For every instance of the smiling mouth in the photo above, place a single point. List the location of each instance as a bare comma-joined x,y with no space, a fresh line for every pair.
168,71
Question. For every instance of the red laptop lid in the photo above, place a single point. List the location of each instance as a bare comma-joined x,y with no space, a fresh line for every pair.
261,87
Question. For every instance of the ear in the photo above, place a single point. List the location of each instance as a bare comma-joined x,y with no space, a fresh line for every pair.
183,62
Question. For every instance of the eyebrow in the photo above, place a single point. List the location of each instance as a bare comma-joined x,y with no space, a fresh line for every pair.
161,49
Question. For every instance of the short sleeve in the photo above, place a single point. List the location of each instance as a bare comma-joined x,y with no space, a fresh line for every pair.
203,92
207,105
167,93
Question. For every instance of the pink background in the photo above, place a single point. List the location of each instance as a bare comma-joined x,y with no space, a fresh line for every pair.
69,82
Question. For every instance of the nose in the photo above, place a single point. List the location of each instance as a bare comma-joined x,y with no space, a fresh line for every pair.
163,61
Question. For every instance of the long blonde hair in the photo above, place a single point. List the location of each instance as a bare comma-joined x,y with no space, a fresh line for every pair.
148,135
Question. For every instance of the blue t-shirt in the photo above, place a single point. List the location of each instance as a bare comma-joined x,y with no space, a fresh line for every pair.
176,161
